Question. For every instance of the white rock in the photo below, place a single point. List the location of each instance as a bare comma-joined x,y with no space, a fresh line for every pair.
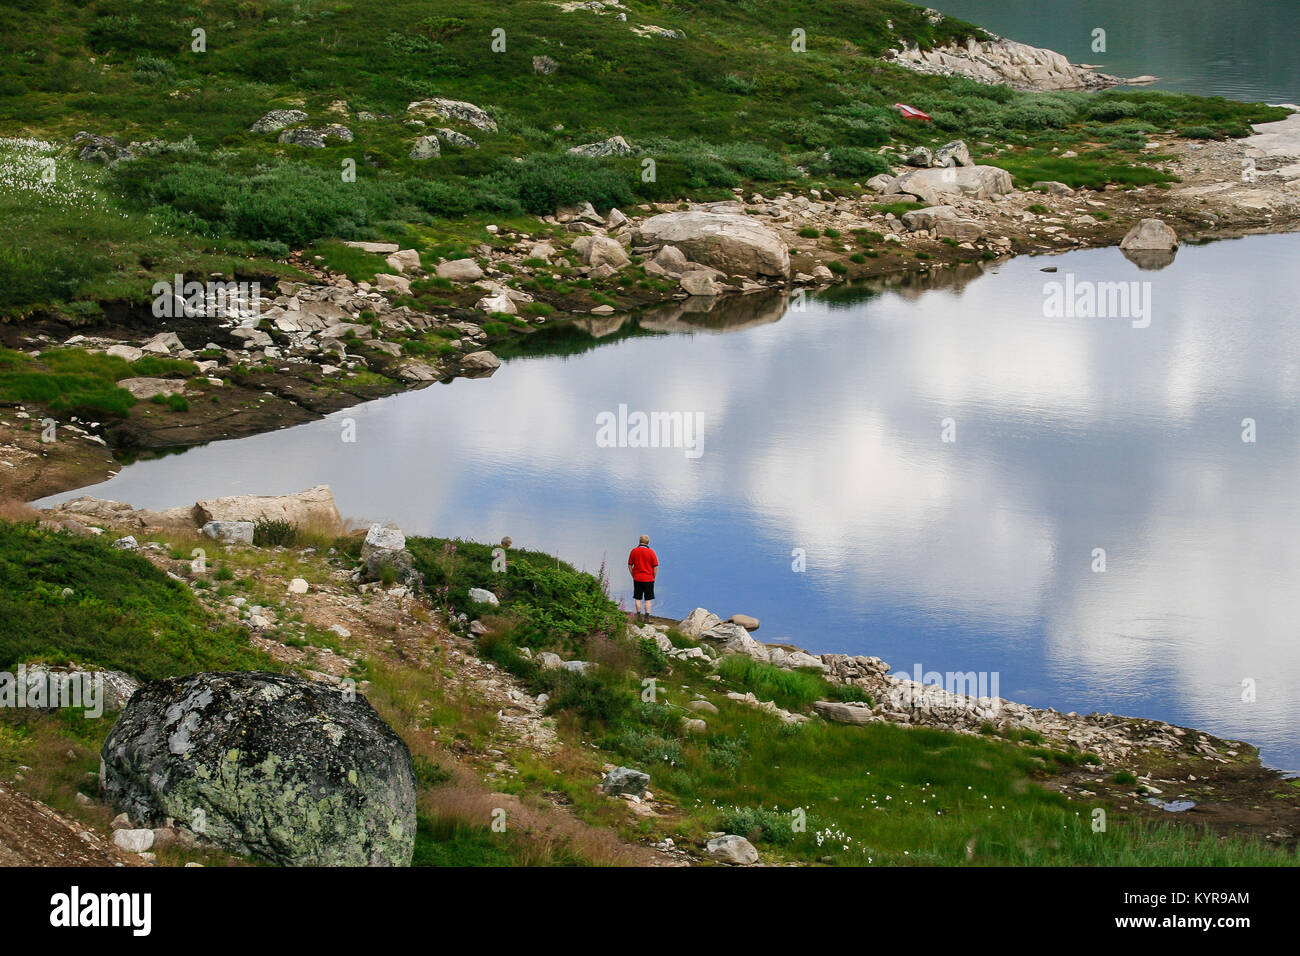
733,850
481,596
133,841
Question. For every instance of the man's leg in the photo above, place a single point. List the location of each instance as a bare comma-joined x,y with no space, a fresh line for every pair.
647,608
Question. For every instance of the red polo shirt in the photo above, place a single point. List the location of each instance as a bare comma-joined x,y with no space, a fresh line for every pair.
644,562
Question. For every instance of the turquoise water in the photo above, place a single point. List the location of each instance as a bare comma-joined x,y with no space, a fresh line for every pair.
1243,50
821,432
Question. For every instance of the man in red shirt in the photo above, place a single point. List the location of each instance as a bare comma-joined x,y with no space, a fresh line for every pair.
644,565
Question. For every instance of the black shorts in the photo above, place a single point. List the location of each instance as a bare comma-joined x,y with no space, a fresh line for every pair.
643,590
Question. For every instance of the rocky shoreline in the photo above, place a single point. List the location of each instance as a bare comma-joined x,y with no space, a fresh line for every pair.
1146,766
301,350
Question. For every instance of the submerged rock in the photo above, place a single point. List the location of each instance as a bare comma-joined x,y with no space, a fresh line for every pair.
290,770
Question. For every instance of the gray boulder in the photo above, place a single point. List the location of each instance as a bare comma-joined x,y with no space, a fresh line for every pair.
460,270
844,713
277,120
459,140
733,850
926,218
734,639
453,110
385,548
314,137
733,243
625,780
955,153
482,362
974,182
102,149
1150,234
293,771
426,147
920,156
614,146
544,65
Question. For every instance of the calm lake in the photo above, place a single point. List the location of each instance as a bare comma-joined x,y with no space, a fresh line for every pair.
822,436
1244,50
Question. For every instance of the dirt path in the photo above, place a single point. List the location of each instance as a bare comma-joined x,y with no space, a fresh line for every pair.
32,834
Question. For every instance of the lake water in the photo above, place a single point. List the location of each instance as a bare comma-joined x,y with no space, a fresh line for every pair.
822,431
1243,50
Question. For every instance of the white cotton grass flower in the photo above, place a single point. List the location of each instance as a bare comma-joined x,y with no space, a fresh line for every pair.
33,169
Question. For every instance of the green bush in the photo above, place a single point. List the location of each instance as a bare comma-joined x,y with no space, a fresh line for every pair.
758,825
543,182
274,532
852,162
121,613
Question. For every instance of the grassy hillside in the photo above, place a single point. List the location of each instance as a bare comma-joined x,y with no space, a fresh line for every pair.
726,102
871,795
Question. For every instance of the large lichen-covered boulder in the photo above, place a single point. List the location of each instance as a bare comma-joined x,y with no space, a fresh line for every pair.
298,772
734,243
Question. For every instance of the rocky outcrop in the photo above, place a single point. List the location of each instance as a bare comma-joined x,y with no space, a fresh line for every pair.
975,182
998,60
313,508
734,639
293,771
276,120
426,147
733,243
614,146
102,149
453,110
453,138
313,137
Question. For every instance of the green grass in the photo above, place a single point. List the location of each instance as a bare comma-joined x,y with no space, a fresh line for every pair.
66,380
728,105
122,612
552,600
